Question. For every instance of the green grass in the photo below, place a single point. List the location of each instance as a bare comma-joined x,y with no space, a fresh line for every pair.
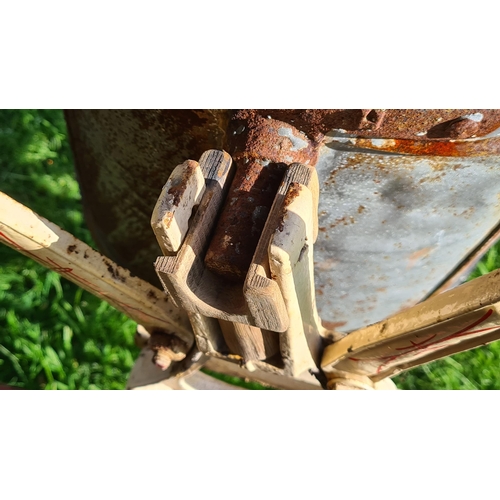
53,335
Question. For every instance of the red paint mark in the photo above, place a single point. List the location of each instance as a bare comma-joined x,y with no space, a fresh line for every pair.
12,242
69,271
59,269
478,322
415,344
69,274
426,346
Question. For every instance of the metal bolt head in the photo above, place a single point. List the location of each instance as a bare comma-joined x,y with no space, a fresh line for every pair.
162,360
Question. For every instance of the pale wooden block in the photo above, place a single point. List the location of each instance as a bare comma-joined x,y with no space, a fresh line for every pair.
183,190
304,381
197,381
262,293
291,265
348,384
172,213
191,286
207,333
290,260
386,384
342,380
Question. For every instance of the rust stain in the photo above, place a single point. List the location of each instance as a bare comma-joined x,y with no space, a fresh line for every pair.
418,255
484,147
261,148
242,219
167,347
114,272
329,325
346,220
179,187
463,129
123,157
264,139
388,123
326,265
293,191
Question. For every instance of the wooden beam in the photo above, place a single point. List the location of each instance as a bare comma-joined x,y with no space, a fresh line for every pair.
45,242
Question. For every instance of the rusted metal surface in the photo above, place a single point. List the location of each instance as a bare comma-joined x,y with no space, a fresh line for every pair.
392,226
463,148
262,140
243,218
405,195
123,158
389,123
262,148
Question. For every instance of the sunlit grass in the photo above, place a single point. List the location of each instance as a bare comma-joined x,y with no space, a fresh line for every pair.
53,335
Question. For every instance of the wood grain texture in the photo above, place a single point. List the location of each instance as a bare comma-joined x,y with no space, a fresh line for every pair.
182,191
249,342
196,289
454,321
193,287
291,261
261,292
275,379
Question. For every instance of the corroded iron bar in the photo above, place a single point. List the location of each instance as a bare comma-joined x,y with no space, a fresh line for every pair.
262,148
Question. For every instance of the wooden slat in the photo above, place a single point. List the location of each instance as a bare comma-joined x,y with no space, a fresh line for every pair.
292,266
181,193
459,319
56,249
279,381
